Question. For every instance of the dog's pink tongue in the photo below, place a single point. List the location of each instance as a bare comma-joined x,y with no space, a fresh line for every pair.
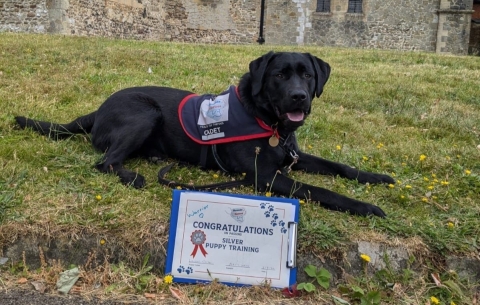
295,116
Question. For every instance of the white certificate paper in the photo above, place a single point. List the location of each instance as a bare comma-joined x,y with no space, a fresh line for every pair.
239,240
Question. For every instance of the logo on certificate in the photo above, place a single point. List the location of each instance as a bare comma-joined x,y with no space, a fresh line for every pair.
238,214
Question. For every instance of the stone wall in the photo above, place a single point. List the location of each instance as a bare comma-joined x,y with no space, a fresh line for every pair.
382,24
24,16
427,25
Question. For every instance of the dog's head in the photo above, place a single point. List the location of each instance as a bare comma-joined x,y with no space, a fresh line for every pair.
283,86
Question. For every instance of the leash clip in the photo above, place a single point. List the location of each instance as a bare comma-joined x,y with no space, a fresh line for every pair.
295,157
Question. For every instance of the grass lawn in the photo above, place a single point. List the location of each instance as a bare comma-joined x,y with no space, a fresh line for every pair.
415,116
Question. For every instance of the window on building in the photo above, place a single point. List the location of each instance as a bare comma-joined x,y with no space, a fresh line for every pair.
323,6
355,6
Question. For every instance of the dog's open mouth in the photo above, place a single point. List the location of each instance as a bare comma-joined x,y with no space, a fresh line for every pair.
295,116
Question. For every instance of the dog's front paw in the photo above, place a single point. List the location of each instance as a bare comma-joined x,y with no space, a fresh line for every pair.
375,178
370,209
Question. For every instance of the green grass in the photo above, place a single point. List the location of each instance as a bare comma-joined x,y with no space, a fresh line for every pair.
384,109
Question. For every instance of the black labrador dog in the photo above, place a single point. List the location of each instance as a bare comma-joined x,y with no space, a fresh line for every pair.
272,100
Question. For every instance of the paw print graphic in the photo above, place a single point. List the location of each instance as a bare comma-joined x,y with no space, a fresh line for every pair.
273,223
282,223
181,269
271,208
189,270
275,216
267,214
283,230
262,205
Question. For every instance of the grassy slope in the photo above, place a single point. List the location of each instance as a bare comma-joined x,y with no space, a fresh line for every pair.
383,109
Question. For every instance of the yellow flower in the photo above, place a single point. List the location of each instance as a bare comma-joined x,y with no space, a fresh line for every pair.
430,187
338,147
391,186
365,258
402,197
310,146
445,182
102,241
404,164
302,201
452,303
380,145
268,194
434,300
450,225
168,279
215,176
424,199
423,157
98,197
467,172
408,186
434,176
426,179
365,158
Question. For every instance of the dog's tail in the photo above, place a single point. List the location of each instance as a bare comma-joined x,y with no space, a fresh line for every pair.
56,131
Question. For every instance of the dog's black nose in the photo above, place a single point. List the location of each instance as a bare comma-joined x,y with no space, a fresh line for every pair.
298,95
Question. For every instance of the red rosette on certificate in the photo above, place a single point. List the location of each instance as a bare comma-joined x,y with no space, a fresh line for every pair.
198,238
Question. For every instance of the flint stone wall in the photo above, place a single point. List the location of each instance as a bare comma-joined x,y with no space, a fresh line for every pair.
428,25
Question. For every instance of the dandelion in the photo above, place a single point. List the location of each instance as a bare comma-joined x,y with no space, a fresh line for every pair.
338,147
467,172
215,176
430,187
103,241
179,187
434,300
434,176
380,145
426,179
168,279
365,158
302,202
402,197
98,197
445,182
268,194
424,199
365,258
450,225
448,158
393,174
310,146
452,303
391,186
423,157
404,164
408,186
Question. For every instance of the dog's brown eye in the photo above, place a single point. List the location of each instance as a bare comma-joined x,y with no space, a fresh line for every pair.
279,75
308,75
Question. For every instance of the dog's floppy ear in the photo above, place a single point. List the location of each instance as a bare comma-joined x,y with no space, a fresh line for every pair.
322,73
257,70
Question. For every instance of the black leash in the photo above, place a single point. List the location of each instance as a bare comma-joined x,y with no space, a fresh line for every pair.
285,143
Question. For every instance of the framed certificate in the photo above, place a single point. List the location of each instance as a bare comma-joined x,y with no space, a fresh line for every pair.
237,239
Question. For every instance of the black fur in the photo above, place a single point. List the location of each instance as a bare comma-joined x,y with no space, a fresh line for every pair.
143,122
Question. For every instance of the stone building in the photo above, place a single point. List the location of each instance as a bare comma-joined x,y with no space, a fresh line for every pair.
443,26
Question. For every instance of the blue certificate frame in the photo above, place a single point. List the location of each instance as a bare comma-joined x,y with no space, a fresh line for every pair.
237,239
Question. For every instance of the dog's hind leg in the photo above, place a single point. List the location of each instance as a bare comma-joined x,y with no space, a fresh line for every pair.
113,163
124,129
